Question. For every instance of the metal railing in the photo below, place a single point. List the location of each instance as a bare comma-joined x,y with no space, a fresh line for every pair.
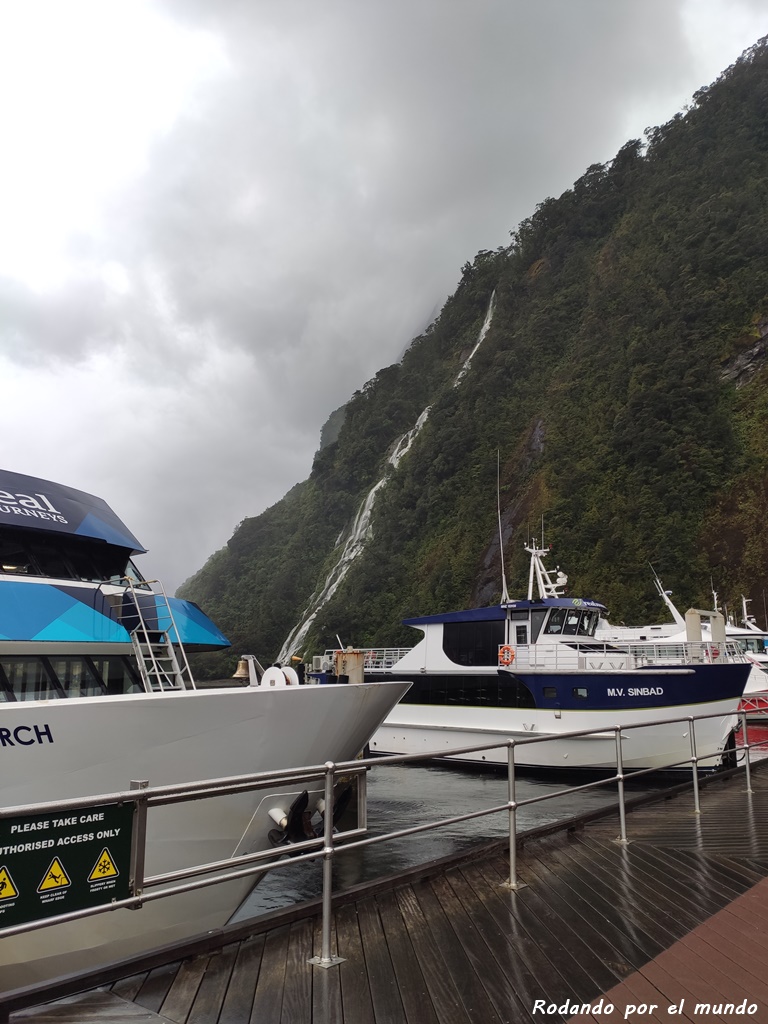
155,631
149,888
575,652
375,659
755,704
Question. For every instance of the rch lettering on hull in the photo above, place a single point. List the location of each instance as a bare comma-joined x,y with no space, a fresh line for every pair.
23,736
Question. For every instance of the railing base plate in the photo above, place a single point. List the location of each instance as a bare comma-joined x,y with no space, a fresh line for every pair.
317,961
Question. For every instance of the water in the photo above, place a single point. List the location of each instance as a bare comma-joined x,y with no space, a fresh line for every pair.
401,796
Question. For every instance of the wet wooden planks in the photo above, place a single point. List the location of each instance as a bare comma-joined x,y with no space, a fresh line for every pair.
717,972
679,913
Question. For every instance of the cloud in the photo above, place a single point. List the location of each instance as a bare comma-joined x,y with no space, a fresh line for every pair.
225,217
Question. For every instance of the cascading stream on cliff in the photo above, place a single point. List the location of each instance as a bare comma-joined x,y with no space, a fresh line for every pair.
361,527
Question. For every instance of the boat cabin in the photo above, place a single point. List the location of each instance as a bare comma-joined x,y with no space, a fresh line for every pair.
72,598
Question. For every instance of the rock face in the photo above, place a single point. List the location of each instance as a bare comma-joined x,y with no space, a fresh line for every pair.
742,367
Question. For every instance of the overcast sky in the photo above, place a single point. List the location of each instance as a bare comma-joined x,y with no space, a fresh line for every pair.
219,218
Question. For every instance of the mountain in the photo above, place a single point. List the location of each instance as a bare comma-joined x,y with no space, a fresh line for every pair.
609,364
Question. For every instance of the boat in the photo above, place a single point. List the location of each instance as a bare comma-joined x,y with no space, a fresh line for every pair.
745,638
96,691
532,669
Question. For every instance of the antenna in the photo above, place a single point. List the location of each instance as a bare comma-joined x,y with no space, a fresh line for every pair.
504,592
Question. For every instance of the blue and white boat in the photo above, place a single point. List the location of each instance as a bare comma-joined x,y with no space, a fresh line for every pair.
533,668
96,691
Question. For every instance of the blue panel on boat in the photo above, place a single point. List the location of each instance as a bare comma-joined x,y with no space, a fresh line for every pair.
194,625
81,623
41,611
27,502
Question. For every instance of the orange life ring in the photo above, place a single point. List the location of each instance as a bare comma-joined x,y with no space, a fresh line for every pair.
506,654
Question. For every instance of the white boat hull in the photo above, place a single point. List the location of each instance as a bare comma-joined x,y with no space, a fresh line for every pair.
101,744
421,729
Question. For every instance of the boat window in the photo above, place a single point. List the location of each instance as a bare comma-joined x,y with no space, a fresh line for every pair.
30,679
43,678
51,562
66,558
473,643
588,623
572,619
470,691
580,692
756,645
550,693
83,567
78,677
15,559
556,620
119,674
537,621
521,635
6,692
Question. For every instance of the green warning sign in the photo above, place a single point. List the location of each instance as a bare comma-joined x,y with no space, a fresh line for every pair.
54,863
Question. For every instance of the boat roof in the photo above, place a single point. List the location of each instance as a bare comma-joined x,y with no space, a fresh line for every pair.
499,611
28,502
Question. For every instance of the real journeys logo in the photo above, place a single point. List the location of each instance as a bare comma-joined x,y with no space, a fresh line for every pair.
36,505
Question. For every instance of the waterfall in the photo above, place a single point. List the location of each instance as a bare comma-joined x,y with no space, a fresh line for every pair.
361,528
480,339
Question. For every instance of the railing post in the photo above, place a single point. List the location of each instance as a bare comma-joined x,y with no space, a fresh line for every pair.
326,959
747,765
694,767
513,883
138,840
362,800
620,776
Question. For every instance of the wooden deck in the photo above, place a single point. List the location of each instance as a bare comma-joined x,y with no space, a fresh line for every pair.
681,913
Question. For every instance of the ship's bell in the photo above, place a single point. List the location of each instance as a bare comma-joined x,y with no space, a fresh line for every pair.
241,672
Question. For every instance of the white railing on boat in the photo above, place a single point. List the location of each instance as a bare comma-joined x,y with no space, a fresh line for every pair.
328,845
608,657
375,659
565,655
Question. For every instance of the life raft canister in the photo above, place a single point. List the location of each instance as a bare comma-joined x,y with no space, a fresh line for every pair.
506,654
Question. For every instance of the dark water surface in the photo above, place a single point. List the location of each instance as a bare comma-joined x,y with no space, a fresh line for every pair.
401,796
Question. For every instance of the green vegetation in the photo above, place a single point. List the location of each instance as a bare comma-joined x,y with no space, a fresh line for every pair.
607,382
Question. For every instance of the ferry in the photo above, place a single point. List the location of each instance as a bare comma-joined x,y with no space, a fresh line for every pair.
533,669
745,637
96,691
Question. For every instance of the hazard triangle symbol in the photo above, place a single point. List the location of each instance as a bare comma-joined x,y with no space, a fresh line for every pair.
8,890
104,867
55,877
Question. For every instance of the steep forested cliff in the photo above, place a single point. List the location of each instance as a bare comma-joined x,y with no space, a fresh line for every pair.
622,382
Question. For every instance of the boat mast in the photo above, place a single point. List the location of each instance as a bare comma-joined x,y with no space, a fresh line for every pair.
666,597
504,591
546,585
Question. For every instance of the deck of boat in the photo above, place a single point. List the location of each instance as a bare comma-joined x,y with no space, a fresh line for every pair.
681,913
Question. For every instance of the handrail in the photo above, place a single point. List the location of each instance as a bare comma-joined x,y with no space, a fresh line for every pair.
183,674
568,652
212,873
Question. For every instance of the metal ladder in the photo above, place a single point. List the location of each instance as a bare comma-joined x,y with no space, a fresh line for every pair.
163,666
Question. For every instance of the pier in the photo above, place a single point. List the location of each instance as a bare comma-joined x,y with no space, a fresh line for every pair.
670,926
